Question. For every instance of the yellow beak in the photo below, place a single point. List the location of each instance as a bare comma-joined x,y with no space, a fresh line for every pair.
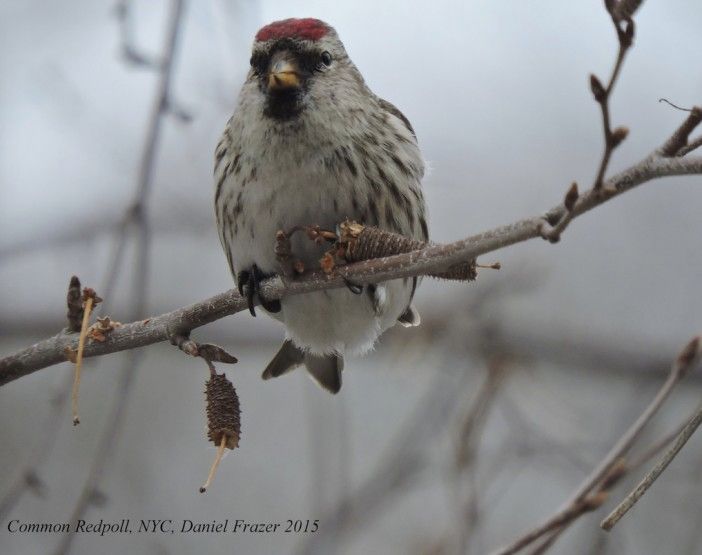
283,75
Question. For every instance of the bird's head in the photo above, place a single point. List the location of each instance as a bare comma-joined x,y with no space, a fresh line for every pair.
296,62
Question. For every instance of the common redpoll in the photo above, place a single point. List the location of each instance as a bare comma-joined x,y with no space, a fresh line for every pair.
309,143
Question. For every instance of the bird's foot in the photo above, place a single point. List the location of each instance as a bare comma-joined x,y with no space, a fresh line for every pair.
355,288
252,279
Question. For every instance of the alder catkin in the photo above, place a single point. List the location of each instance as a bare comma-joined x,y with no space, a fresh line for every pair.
223,413
223,423
361,242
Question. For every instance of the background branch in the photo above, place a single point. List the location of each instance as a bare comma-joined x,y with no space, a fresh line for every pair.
136,215
647,481
612,467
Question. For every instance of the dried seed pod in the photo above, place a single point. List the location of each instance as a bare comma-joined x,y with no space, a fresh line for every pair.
465,271
223,423
358,242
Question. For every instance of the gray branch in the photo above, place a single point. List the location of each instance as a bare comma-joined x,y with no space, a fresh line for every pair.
435,258
593,491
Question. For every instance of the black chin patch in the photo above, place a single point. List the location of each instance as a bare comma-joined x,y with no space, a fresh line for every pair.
283,104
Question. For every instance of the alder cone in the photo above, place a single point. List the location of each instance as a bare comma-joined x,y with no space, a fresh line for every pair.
223,412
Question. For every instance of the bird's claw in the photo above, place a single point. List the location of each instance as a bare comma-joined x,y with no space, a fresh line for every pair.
355,288
252,280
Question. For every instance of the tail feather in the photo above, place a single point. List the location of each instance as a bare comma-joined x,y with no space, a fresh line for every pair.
324,369
287,358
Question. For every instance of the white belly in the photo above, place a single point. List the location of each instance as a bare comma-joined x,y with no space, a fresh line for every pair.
326,321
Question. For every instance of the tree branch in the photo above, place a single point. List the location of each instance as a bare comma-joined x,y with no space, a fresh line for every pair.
435,258
593,491
647,481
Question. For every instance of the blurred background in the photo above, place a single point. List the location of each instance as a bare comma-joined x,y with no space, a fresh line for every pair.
454,437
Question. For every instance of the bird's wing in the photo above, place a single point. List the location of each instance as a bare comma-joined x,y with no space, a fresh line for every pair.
410,317
391,108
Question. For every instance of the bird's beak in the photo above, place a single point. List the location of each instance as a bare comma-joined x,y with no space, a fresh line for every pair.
283,75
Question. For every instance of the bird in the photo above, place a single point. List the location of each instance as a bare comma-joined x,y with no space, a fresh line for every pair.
309,143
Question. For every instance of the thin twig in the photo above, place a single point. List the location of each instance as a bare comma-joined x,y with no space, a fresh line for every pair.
472,424
625,9
548,541
633,463
612,138
669,103
648,480
692,145
678,140
130,52
552,228
602,474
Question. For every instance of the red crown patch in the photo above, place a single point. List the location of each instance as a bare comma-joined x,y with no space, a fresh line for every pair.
306,29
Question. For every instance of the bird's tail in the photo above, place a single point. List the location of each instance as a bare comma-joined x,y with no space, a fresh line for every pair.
325,369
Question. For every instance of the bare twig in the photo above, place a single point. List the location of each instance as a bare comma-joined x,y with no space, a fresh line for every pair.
471,426
623,24
630,500
694,144
612,467
633,463
678,140
130,52
625,9
669,103
554,524
647,481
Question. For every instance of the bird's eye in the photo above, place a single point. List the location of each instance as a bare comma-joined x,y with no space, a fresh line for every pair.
326,58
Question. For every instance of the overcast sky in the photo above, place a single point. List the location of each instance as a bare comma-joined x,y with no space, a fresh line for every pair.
498,94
